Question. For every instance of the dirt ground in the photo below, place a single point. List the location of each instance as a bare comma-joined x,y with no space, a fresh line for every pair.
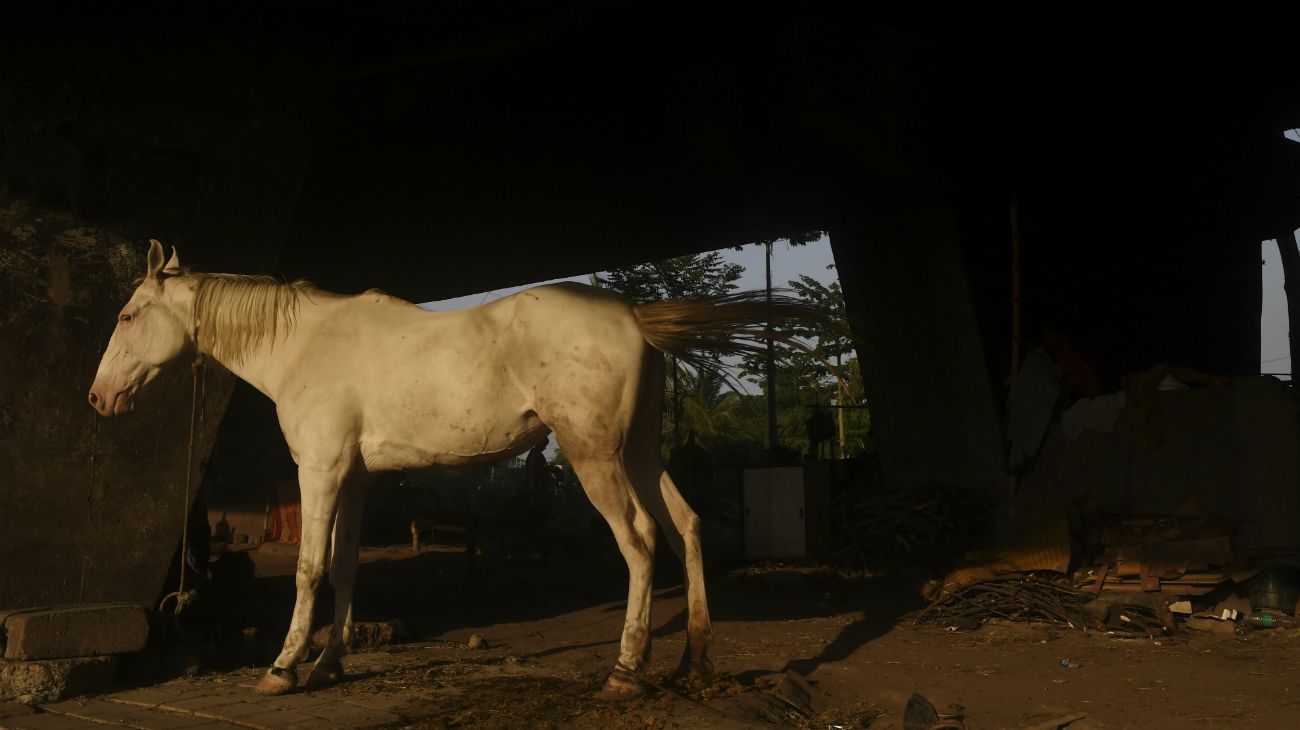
551,637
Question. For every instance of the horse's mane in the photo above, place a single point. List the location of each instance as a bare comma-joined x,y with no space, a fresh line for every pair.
235,314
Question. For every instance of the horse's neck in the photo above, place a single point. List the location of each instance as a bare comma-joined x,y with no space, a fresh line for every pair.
265,366
258,370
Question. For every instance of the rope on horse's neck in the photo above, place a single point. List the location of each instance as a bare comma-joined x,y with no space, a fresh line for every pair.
196,368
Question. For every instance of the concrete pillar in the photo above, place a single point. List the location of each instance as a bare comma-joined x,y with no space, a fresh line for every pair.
923,361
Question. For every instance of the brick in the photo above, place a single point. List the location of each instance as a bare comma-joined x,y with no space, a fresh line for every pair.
231,711
356,717
325,722
277,719
75,631
196,703
55,679
49,721
300,701
92,708
149,696
161,720
392,701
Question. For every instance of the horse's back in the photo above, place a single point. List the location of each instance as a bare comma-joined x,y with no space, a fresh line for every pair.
561,340
488,381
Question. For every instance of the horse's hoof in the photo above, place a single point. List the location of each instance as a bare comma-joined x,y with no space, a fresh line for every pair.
325,674
622,685
694,669
277,681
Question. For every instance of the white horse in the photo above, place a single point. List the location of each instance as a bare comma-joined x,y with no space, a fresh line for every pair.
369,383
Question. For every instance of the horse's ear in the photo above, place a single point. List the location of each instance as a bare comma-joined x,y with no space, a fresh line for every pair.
155,260
173,267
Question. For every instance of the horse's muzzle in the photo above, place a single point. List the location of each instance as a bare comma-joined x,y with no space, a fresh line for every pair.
109,403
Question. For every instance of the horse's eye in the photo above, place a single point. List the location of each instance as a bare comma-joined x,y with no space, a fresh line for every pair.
125,318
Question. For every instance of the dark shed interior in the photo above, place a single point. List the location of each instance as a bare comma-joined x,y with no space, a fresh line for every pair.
442,148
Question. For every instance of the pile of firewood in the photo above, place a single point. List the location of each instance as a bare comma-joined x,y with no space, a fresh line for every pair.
1023,597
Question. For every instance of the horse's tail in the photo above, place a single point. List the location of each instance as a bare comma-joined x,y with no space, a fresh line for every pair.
699,331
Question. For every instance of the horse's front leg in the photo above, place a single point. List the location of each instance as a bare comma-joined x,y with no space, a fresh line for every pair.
320,493
343,575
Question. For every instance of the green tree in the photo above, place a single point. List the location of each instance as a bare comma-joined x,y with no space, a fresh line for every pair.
704,403
824,376
692,276
682,277
710,408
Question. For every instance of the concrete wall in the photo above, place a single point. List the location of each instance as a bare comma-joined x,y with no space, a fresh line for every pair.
114,134
1232,452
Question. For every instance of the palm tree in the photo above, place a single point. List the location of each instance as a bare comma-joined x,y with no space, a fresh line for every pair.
710,408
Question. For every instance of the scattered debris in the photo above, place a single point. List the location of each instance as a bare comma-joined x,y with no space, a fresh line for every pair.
1023,597
750,707
366,635
1040,545
1133,620
1186,554
1058,723
921,715
47,680
1264,620
793,689
1210,623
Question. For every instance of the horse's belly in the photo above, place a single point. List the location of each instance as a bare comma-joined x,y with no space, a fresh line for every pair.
450,444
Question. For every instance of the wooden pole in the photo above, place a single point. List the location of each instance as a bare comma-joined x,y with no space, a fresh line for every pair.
771,364
839,412
1015,290
1014,483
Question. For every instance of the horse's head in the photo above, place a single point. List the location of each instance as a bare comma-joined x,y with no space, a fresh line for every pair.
150,332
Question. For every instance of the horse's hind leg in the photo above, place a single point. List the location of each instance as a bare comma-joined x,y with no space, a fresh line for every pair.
343,575
681,528
680,524
607,485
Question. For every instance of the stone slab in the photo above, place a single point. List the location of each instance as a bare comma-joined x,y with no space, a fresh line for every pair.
275,719
94,709
155,720
357,717
15,709
146,719
67,632
48,721
50,680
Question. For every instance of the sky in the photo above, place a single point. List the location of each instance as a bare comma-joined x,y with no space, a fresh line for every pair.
1274,351
788,262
